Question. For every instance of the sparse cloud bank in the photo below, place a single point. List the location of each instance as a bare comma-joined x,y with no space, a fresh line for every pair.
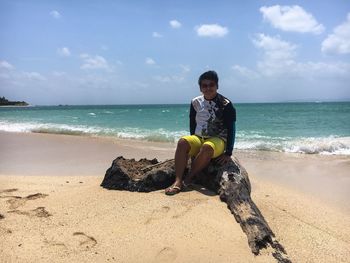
54,49
279,59
10,75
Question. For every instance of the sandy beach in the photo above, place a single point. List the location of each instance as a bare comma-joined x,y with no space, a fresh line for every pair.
52,208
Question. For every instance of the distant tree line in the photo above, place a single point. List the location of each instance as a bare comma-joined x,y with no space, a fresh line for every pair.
6,102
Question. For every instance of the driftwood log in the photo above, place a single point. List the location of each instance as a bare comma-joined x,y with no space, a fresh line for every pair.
230,181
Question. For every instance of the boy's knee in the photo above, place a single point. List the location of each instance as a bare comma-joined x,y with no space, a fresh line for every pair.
207,150
183,145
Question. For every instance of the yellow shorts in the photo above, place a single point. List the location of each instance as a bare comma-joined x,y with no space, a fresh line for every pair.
197,142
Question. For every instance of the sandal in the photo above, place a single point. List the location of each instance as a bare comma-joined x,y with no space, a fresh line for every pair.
187,185
173,190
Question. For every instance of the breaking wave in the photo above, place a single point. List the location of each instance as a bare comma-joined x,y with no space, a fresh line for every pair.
331,145
323,145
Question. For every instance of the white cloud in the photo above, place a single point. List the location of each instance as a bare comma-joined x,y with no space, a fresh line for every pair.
211,30
9,73
185,68
175,24
59,73
64,52
150,61
156,35
6,70
275,50
246,72
167,79
321,69
178,77
33,76
339,41
278,55
272,43
291,18
94,62
162,78
5,65
55,14
280,59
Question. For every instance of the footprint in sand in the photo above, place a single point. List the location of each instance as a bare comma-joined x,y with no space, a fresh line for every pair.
37,212
181,209
158,214
53,243
85,242
187,206
17,201
8,190
79,242
4,231
166,254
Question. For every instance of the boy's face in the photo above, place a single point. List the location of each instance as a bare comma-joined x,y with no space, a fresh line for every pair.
208,88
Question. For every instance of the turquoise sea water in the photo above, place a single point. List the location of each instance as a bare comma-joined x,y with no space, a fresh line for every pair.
319,128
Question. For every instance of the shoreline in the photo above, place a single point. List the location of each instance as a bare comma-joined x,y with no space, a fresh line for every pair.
321,176
169,143
52,203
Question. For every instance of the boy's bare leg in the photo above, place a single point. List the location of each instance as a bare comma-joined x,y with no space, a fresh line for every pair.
181,158
201,161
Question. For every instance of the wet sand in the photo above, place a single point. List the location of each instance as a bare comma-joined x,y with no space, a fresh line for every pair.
53,209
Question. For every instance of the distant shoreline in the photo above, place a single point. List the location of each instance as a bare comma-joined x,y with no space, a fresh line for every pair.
12,106
172,104
6,102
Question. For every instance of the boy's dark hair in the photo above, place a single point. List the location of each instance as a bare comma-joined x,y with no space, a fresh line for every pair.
210,75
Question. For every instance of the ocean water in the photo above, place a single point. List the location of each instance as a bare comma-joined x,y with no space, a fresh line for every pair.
310,128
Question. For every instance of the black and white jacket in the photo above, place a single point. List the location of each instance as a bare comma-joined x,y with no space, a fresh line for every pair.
216,117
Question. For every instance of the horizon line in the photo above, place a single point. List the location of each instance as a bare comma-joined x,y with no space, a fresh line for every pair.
135,104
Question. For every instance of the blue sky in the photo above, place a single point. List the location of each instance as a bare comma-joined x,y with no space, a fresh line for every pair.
127,52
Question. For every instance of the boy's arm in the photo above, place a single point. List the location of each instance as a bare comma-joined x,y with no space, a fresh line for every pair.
192,120
230,123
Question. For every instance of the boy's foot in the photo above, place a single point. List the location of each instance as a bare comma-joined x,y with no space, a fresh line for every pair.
173,190
186,184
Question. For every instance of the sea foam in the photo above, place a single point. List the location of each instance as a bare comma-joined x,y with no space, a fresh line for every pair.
324,145
48,128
